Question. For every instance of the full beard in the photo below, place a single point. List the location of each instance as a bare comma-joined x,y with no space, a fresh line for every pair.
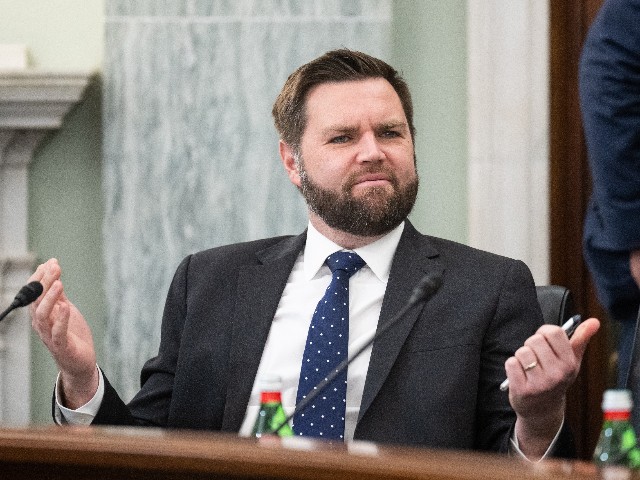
374,213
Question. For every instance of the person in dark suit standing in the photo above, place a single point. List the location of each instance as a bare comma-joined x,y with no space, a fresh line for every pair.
609,80
236,312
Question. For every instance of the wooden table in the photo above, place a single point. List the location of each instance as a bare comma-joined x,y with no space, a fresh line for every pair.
142,453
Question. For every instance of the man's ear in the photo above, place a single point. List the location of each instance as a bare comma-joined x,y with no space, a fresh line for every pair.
289,161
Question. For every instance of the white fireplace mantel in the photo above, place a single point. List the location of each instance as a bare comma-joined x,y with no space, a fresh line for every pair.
32,103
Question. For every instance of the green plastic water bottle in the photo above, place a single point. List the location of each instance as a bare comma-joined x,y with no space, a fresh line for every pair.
617,450
271,414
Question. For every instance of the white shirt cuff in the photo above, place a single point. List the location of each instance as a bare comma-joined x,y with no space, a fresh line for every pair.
83,415
516,448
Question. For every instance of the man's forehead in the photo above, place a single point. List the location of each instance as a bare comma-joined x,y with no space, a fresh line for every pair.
339,103
343,88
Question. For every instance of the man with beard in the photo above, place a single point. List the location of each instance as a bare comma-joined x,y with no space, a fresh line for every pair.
239,312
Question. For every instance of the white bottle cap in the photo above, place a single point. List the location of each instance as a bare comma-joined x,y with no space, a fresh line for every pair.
617,400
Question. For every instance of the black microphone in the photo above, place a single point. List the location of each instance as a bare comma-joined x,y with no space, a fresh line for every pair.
25,296
424,290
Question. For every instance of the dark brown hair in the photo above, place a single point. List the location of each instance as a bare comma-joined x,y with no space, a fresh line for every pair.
289,112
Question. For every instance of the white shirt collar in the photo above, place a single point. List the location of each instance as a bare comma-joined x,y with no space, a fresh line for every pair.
377,255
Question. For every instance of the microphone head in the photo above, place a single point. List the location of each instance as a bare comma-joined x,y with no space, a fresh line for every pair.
28,294
426,287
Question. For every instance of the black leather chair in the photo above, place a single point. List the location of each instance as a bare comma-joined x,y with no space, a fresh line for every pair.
556,303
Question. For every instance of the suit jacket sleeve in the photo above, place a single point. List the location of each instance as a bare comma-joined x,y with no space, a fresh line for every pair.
609,81
516,311
517,316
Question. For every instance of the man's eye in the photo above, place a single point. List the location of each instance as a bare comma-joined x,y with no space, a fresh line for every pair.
390,134
340,139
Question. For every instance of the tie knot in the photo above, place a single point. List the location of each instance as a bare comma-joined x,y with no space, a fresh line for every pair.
348,262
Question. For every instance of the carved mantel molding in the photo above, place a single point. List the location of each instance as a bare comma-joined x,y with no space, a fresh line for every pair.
32,103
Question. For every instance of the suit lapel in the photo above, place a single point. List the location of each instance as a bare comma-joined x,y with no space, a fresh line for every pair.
414,258
258,295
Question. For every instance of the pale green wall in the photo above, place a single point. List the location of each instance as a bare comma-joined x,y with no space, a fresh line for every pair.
429,47
60,34
65,201
65,187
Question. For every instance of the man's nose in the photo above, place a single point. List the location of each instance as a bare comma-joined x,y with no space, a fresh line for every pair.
369,149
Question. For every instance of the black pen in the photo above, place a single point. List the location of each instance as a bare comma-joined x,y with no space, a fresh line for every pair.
569,327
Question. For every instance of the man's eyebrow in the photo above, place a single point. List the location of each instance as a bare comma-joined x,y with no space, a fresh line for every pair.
339,129
392,125
352,130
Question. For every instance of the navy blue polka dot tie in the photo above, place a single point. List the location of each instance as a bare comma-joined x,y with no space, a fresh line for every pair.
327,346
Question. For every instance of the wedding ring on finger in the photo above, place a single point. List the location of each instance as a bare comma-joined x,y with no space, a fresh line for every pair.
532,365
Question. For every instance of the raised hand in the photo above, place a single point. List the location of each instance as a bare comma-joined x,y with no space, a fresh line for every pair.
66,334
540,373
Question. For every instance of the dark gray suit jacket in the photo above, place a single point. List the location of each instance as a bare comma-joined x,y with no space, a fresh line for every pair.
433,378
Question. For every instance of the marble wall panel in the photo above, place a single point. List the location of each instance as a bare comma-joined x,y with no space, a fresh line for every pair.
190,152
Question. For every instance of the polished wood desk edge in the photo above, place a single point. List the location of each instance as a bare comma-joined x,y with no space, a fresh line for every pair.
219,453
